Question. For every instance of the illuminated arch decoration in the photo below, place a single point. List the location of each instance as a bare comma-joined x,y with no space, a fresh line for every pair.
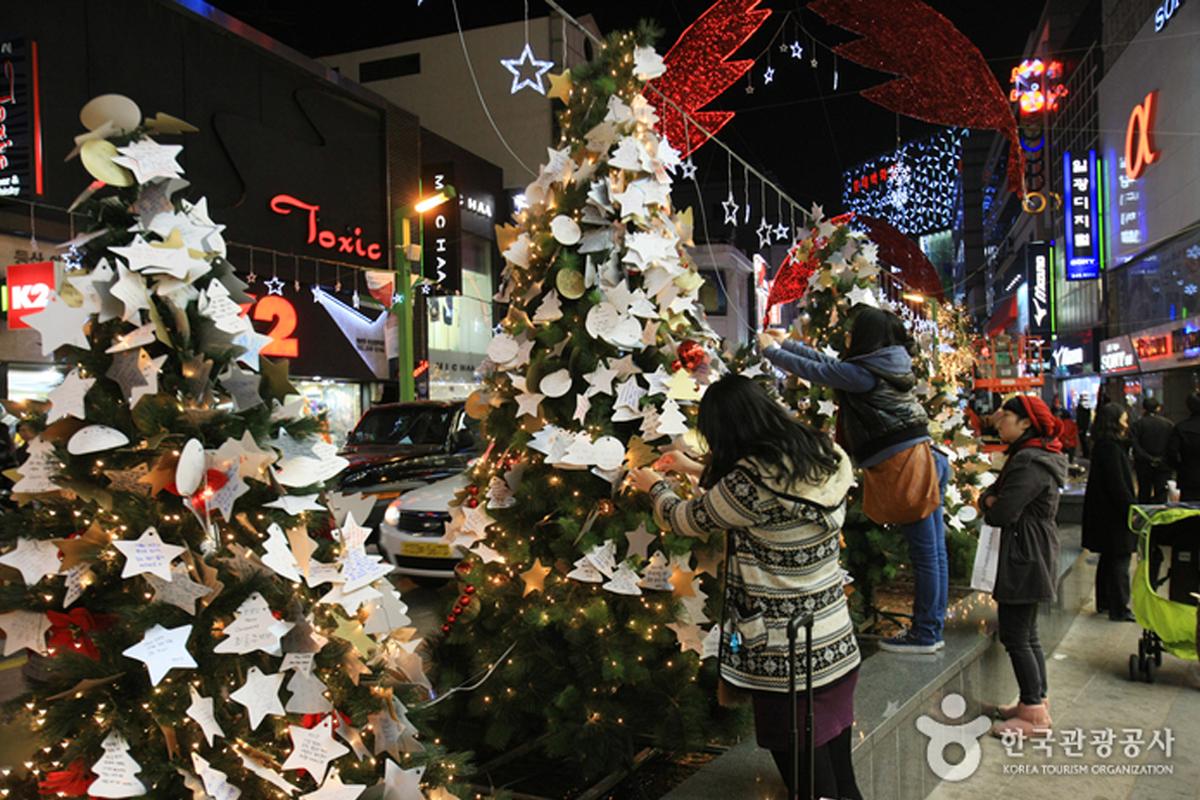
914,188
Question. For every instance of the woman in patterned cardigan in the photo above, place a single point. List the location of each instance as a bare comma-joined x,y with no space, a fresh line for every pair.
777,489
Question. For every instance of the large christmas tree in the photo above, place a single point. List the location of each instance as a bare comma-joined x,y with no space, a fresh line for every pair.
201,618
580,619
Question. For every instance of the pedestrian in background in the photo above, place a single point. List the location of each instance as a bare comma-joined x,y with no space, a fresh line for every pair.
1023,503
1106,503
1083,421
1151,438
1183,453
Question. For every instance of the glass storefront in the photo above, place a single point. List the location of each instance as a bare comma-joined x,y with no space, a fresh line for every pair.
460,326
340,402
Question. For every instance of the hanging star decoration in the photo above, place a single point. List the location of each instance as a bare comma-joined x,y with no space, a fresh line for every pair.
797,50
274,285
768,75
764,232
730,206
520,66
535,577
687,170
781,232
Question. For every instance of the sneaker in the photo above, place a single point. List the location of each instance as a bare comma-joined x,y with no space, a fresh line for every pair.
939,644
906,643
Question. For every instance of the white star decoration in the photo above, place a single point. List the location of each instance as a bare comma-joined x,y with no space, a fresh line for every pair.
163,649
275,286
781,232
59,324
314,748
260,695
797,50
148,159
147,553
769,75
731,208
66,400
687,170
201,711
33,558
764,231
517,66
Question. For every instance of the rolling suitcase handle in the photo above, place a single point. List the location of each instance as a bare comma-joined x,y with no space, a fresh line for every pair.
793,630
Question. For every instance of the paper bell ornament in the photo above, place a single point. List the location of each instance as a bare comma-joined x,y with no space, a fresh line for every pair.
95,438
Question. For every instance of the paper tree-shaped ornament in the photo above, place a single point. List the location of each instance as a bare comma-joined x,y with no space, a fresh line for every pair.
201,712
586,572
624,581
712,643
279,555
308,694
216,783
671,422
117,771
604,557
657,575
254,629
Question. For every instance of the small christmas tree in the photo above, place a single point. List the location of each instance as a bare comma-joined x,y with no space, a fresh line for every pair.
568,618
173,537
833,269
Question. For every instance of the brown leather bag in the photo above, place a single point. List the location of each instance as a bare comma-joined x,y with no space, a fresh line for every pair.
902,489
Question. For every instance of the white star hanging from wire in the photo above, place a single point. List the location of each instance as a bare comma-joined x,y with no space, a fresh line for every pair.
764,233
797,50
687,170
749,88
731,208
781,232
274,285
769,75
517,66
783,47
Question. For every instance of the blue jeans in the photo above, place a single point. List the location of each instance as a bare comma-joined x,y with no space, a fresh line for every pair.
930,565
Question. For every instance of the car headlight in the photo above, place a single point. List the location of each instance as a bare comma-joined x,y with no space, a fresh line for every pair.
392,515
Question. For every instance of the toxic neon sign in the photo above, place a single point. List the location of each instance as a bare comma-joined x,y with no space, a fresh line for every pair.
349,244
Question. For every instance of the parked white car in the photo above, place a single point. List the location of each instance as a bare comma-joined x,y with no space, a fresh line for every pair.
412,530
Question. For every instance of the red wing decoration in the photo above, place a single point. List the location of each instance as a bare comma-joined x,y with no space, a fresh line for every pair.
791,281
697,71
944,79
897,250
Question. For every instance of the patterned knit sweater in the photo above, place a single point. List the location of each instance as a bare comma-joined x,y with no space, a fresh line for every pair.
784,560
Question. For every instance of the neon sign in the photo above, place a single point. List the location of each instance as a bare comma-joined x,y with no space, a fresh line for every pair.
1163,14
1036,86
20,119
353,244
1082,216
1141,154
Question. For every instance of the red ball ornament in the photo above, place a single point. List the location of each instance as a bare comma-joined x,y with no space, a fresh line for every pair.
445,629
472,502
464,600
676,365
470,589
452,618
692,355
472,490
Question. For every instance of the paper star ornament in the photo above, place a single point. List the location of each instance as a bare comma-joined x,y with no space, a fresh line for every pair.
255,628
148,159
181,591
24,630
688,636
162,650
59,325
66,400
147,553
535,578
260,695
33,558
201,712
639,542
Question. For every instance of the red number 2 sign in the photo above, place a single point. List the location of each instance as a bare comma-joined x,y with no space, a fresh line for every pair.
282,313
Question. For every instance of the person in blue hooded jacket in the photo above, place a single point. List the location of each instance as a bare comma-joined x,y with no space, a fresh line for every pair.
883,426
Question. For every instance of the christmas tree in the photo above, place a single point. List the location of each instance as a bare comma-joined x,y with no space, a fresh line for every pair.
175,562
834,268
577,619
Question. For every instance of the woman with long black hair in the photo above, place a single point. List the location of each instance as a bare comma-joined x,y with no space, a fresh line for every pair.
886,430
1106,501
777,489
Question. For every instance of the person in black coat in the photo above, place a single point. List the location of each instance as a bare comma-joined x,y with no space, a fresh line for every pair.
1151,437
1083,421
1184,452
1106,504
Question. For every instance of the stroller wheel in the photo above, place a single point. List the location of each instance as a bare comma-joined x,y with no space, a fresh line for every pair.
1149,670
1133,667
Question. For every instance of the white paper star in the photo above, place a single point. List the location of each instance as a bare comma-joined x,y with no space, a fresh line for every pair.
260,695
254,628
33,558
688,636
59,324
216,783
24,629
293,504
334,789
826,408
66,399
349,601
148,159
95,288
314,748
130,290
181,591
402,784
517,66
600,380
162,650
639,541
147,553
201,711
629,394
862,295
659,381
527,404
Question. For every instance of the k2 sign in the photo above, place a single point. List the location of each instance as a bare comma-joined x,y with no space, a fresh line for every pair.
28,291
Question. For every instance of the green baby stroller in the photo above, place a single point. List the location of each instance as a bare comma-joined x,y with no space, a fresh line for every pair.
1167,624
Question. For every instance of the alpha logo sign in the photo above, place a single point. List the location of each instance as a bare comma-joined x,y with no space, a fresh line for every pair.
1139,142
28,291
1163,14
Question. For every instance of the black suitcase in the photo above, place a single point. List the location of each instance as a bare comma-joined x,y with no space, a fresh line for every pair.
808,792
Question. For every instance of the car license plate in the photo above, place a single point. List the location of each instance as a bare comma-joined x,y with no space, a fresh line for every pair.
425,550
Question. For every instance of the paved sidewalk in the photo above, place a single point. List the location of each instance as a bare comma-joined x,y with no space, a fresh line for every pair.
1090,689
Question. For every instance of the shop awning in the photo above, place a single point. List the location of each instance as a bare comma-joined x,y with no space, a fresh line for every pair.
1005,314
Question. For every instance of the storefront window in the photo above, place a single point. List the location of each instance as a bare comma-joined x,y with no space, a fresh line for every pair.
1160,287
32,383
340,402
460,326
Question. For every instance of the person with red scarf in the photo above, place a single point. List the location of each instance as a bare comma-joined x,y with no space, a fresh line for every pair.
1023,503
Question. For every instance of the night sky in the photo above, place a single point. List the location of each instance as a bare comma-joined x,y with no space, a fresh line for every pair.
797,129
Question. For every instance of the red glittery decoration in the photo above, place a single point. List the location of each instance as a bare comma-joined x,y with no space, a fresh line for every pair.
897,250
691,354
791,280
697,72
944,79
70,782
69,631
